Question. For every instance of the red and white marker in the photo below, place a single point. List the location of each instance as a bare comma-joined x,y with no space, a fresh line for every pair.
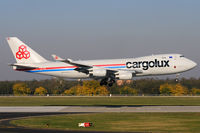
85,124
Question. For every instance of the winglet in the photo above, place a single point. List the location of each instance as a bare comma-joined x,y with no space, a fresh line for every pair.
57,58
69,60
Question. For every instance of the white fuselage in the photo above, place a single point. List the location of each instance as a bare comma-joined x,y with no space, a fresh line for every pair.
148,65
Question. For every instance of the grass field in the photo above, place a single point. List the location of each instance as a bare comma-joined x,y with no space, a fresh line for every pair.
145,122
98,101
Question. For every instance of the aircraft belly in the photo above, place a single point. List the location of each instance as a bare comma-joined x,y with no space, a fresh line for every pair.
158,71
74,74
64,74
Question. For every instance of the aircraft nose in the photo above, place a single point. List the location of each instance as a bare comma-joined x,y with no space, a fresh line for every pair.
193,64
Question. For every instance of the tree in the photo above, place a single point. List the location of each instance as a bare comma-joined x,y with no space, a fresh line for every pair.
89,88
91,84
101,91
128,90
21,89
179,90
6,87
165,89
171,89
195,91
40,91
71,91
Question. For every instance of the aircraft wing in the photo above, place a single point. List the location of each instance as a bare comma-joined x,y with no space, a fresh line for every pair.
80,66
70,61
83,67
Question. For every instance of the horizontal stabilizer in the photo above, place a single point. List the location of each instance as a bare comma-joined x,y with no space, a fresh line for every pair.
22,66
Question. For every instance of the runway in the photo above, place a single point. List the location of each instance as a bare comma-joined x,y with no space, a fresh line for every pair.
77,109
8,113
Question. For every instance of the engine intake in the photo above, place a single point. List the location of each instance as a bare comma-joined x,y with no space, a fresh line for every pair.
98,72
124,75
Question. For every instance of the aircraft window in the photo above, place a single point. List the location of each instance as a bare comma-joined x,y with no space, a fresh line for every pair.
182,56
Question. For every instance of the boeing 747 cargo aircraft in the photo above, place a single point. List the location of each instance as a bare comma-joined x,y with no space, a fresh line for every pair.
107,70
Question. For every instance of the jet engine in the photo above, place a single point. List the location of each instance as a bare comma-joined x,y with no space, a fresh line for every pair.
98,72
124,75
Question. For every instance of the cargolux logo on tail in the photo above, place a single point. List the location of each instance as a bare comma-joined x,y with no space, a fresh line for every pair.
22,53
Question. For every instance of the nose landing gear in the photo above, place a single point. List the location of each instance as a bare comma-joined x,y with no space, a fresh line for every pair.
177,77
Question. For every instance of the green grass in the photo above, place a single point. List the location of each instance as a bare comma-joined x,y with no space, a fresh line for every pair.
144,122
101,101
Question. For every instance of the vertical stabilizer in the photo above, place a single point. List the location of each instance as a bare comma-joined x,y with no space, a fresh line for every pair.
22,52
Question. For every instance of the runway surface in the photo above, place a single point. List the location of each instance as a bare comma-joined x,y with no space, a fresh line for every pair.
15,112
39,109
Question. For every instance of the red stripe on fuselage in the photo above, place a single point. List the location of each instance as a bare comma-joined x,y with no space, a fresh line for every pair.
110,65
48,68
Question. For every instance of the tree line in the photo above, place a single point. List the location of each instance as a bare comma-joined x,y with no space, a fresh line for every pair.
147,86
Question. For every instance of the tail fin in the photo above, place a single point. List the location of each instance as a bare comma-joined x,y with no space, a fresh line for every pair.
22,52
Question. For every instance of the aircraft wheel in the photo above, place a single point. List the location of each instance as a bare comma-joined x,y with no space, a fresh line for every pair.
110,84
103,82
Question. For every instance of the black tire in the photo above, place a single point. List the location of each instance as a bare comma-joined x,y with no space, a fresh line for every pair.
110,84
103,82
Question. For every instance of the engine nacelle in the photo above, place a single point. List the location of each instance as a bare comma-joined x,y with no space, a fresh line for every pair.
98,72
124,75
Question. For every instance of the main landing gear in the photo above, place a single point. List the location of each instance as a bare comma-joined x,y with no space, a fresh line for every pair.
107,81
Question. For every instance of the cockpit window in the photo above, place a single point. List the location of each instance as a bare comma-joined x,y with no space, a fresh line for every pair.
182,56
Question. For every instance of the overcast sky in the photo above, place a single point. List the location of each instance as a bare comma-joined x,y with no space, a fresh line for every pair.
100,29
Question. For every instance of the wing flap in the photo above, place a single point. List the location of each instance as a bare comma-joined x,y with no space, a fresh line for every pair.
70,61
